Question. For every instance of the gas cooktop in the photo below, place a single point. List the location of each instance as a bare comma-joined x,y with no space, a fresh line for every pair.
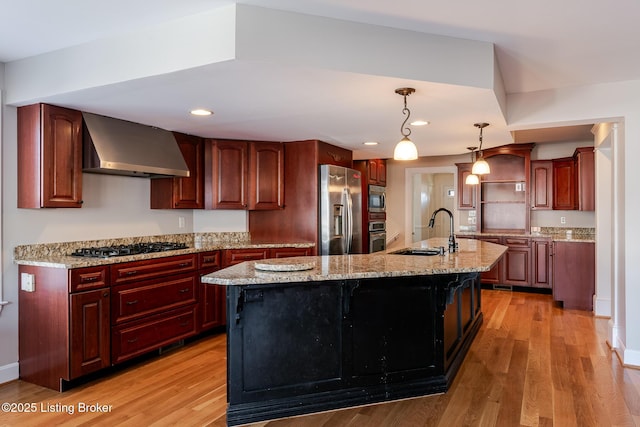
124,250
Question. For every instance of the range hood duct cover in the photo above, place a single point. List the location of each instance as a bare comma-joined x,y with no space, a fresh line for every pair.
119,147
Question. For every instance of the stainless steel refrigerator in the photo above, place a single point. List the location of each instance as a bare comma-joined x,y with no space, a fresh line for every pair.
340,216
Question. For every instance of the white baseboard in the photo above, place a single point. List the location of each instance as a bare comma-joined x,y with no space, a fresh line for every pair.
631,358
601,306
9,372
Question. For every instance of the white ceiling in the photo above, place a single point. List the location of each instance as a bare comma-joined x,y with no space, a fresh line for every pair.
539,45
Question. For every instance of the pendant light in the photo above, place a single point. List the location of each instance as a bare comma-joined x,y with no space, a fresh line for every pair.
472,179
405,149
480,167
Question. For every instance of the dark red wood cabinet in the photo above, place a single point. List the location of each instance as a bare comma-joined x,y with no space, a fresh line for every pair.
376,171
266,175
212,305
564,184
49,157
64,327
226,178
585,178
89,331
574,274
182,192
541,263
542,184
244,175
517,261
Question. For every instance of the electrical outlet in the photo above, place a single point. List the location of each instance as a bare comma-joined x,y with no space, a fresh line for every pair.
28,282
472,213
563,220
472,220
180,222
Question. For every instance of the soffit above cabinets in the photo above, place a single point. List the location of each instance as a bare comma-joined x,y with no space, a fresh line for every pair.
554,134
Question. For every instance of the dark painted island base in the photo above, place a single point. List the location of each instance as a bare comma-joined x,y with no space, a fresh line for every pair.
296,348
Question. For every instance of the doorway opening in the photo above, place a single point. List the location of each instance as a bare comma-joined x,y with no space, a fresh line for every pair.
429,189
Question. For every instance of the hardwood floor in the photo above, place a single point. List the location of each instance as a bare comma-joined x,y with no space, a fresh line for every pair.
532,364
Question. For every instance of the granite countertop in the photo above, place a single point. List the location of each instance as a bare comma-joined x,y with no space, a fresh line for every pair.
553,233
473,256
56,255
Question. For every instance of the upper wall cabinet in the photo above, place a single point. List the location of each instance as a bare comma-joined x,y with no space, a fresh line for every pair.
564,184
182,193
225,182
49,157
542,184
266,175
376,170
244,175
585,178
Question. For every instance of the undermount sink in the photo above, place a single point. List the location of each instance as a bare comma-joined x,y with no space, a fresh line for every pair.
417,251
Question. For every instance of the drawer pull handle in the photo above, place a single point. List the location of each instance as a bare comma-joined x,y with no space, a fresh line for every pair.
89,279
135,301
184,291
184,264
184,324
131,273
132,340
210,259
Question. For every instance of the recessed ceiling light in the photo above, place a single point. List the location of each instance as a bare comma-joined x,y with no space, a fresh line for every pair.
419,123
201,112
370,143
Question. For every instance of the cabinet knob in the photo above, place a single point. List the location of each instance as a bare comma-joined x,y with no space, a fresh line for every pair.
106,294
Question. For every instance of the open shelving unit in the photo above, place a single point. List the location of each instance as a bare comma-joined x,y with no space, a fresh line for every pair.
504,193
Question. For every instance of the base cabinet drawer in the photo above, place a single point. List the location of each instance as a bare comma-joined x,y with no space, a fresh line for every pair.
130,302
136,338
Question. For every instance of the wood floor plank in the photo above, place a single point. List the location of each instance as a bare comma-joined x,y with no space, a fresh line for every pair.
531,364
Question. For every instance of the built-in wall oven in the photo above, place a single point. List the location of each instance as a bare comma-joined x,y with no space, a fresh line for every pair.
377,236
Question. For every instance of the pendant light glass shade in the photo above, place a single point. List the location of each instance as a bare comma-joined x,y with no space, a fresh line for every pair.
472,180
405,150
480,167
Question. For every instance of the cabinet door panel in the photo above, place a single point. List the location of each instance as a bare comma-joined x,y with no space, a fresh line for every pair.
266,175
541,263
542,185
49,157
90,331
516,266
269,339
381,328
564,188
574,274
226,174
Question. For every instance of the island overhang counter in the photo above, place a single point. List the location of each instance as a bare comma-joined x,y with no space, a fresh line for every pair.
347,330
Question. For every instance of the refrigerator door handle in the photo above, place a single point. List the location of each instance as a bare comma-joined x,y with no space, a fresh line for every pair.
349,221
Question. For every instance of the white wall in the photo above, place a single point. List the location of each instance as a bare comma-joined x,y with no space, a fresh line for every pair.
114,206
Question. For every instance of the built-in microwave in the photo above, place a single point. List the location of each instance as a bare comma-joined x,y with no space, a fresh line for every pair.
376,199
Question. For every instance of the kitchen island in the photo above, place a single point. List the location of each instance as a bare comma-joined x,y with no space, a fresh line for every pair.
348,330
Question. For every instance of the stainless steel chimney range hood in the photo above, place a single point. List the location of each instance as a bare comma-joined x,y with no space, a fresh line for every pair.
119,147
